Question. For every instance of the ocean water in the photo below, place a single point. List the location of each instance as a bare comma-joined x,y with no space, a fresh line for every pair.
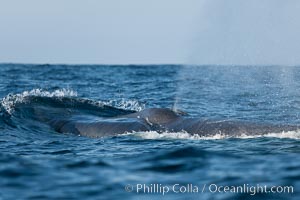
38,163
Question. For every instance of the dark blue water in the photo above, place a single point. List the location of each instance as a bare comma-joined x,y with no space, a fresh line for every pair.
38,163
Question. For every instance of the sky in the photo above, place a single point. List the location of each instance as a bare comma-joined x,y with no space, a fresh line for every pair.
248,32
97,31
222,32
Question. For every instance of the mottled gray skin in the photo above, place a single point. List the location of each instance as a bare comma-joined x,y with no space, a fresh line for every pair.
161,120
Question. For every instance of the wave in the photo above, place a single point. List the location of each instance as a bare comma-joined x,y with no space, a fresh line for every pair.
9,102
63,98
29,109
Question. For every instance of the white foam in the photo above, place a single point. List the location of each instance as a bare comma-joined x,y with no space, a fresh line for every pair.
9,102
125,104
184,135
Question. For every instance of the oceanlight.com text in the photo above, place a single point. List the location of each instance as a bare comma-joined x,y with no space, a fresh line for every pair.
164,189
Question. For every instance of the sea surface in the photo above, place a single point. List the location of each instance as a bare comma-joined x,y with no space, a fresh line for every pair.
36,162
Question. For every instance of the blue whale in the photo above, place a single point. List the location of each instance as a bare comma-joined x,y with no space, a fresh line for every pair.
160,120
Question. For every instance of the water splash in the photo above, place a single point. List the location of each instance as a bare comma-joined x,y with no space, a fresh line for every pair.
153,135
126,104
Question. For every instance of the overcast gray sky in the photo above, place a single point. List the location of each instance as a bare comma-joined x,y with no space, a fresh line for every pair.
150,31
97,31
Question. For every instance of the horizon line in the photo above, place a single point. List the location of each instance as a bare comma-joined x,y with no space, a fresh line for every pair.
148,64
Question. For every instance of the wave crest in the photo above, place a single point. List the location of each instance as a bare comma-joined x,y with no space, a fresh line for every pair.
8,102
66,99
